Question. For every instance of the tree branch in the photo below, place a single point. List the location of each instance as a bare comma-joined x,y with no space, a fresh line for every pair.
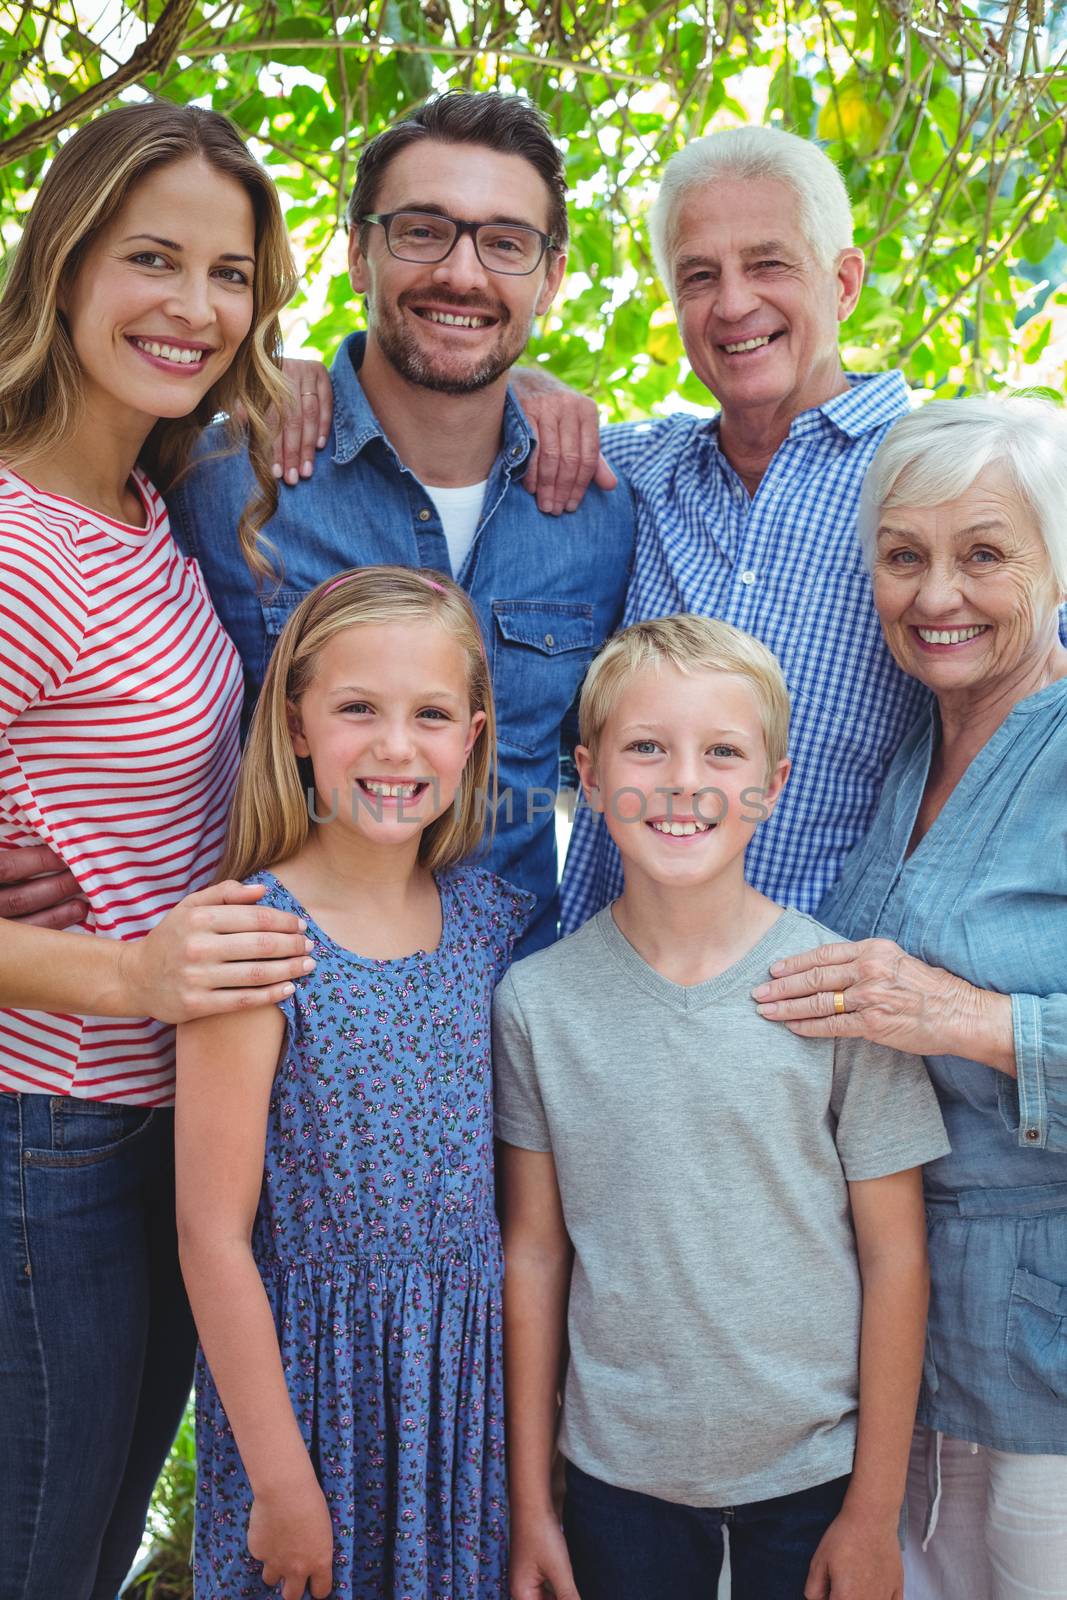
986,266
418,48
153,55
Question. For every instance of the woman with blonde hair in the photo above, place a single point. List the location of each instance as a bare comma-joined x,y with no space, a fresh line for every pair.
142,301
335,1184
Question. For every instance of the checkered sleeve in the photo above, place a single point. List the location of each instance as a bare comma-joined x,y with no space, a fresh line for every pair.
592,874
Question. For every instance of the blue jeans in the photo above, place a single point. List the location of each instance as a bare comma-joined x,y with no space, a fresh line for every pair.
96,1339
629,1546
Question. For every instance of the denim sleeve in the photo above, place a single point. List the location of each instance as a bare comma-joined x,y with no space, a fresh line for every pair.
1039,1025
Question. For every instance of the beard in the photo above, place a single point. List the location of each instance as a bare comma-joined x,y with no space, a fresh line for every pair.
458,375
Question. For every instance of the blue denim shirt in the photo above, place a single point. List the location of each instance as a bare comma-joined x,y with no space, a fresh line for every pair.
984,894
547,590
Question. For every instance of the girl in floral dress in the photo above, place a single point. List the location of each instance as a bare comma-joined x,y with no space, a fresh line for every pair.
335,1178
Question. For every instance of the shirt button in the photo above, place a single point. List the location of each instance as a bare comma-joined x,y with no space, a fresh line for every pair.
424,515
550,639
516,451
748,577
1032,1134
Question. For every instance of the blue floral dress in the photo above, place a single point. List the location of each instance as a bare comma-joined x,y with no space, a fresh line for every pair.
377,1241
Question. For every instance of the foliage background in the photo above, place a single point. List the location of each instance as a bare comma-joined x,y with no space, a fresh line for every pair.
947,120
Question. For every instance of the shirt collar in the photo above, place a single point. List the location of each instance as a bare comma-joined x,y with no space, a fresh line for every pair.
355,424
871,400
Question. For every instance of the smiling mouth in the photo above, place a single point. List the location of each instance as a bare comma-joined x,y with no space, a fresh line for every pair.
455,319
411,790
743,346
177,355
680,830
951,635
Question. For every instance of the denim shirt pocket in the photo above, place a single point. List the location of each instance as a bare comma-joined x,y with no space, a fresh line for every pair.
1037,1335
277,606
541,649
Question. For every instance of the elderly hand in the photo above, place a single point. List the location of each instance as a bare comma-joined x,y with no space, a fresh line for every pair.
567,456
873,990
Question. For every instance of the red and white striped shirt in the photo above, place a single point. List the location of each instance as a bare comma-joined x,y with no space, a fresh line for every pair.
120,698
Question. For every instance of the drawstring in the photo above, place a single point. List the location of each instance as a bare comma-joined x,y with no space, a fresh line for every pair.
933,1487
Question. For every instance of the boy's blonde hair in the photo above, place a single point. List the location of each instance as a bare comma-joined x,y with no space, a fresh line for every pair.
270,817
691,644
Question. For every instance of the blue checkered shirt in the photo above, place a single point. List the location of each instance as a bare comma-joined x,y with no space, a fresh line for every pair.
785,565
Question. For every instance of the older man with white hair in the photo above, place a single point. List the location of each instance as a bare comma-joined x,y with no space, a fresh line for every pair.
749,514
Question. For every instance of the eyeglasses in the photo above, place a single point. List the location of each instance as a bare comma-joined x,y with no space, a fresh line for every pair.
509,247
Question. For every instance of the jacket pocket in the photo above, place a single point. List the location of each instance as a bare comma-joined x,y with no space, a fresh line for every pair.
277,608
540,652
1037,1335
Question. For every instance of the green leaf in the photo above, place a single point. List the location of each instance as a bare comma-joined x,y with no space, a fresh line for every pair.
838,72
1034,342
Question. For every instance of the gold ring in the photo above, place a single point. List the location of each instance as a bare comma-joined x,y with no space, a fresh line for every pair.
839,1002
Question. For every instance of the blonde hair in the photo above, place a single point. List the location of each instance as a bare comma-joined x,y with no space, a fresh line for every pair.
87,184
270,817
691,644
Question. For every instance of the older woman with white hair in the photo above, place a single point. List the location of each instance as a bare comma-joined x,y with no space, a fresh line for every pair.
957,901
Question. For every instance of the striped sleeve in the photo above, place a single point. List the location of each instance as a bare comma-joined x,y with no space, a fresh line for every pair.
43,614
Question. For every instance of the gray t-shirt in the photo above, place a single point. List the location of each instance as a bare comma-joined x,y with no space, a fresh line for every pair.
703,1156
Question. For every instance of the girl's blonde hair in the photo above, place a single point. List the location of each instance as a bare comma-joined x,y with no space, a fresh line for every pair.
691,644
270,819
88,182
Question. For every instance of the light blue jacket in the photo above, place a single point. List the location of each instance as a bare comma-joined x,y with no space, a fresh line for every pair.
547,590
984,894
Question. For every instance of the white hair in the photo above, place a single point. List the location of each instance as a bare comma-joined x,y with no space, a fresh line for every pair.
937,452
749,155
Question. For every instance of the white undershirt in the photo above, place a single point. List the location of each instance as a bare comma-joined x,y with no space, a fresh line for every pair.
459,510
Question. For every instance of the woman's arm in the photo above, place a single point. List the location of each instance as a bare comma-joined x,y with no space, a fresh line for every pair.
890,998
537,1256
859,1556
220,1131
216,950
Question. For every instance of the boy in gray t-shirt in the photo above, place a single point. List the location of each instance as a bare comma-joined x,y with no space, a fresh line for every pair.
720,1221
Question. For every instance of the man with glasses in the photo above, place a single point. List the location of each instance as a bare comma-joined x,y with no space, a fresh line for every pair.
457,239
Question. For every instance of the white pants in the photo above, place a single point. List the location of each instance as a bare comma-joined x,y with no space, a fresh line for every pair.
1000,1523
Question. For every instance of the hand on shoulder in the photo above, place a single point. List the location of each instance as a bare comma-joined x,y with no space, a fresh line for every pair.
305,424
566,456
